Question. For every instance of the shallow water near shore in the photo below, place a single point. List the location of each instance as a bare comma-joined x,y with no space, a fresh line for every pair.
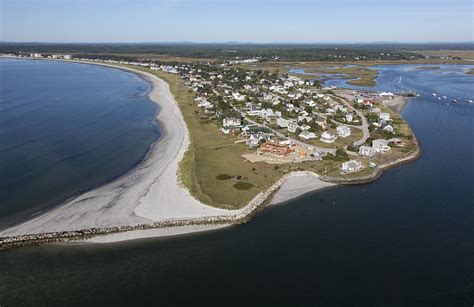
67,128
406,239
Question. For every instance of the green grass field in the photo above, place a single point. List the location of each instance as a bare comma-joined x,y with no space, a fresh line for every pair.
212,153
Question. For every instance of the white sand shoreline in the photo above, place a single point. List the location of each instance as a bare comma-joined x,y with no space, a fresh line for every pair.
151,191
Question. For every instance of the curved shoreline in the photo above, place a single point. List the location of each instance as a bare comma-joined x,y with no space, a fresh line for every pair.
127,200
150,197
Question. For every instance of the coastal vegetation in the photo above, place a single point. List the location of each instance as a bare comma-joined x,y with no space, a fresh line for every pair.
220,51
212,154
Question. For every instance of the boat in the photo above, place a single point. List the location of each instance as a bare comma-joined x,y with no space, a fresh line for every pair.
470,100
434,94
454,100
439,98
444,97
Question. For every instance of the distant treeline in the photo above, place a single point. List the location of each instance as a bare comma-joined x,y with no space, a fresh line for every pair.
228,51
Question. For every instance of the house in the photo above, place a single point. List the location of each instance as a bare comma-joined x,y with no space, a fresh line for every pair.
305,127
272,120
386,95
252,106
349,118
367,102
321,122
388,128
307,135
203,103
380,145
231,122
384,116
343,131
232,130
292,126
304,117
275,149
340,108
266,113
351,166
330,111
282,122
327,137
366,151
255,139
238,96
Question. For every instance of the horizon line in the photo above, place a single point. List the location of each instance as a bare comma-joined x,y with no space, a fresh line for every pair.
240,42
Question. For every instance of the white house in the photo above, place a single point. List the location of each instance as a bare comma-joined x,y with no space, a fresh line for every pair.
386,95
330,111
231,122
384,116
305,127
238,96
380,145
282,122
343,131
327,137
349,118
366,151
307,135
310,102
267,113
351,166
292,126
388,128
255,138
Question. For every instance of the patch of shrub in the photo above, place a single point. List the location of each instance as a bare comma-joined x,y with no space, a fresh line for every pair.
243,185
223,177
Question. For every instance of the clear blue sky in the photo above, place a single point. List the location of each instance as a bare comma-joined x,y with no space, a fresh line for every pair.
236,20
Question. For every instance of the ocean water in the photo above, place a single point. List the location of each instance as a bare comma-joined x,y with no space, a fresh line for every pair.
405,240
66,128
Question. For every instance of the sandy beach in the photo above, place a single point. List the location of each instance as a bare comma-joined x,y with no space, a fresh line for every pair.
151,191
397,104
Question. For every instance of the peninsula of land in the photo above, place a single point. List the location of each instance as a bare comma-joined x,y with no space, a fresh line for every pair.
233,142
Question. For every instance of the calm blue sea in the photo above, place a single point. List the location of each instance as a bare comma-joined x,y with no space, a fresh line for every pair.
66,128
405,240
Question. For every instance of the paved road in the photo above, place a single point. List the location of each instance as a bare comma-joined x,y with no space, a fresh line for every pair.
364,126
